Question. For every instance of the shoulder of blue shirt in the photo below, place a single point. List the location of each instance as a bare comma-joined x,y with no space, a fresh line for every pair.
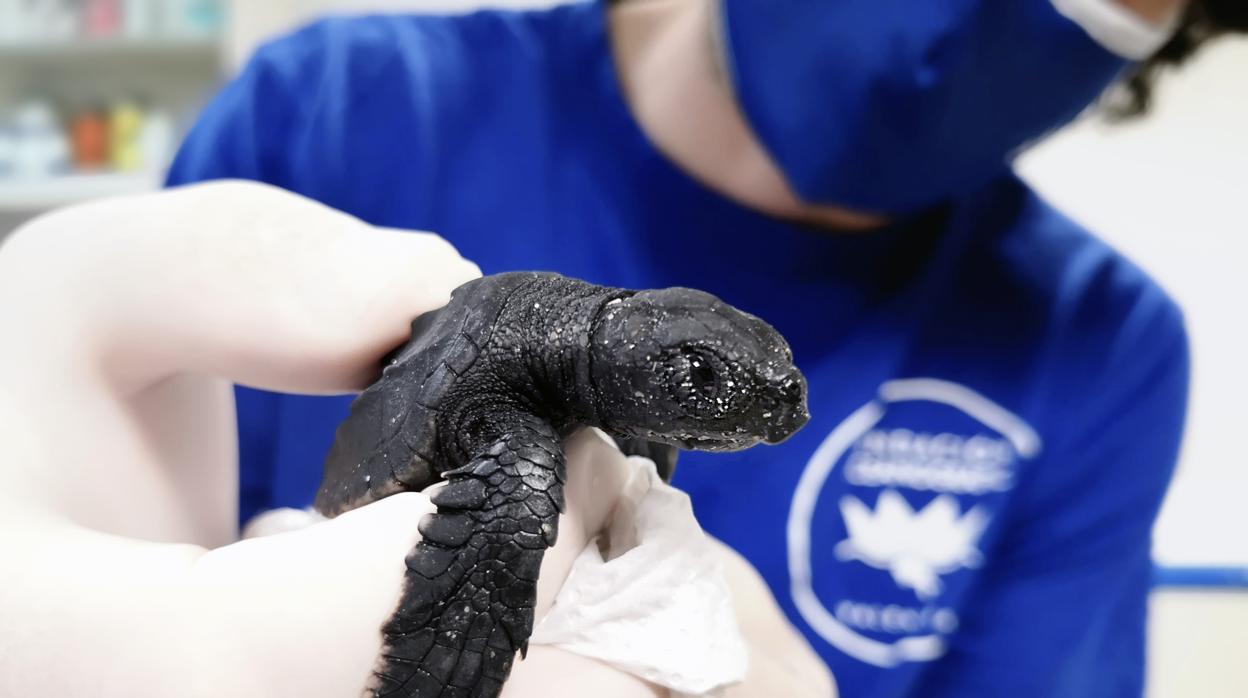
434,55
312,107
1112,321
424,53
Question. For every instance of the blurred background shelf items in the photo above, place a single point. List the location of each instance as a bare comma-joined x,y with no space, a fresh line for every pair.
18,196
96,94
155,48
42,21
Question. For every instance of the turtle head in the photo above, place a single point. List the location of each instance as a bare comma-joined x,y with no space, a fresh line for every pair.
682,367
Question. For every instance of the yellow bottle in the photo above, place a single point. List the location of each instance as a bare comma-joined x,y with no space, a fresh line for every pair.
125,126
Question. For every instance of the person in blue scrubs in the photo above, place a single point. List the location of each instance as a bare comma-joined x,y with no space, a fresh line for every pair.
997,397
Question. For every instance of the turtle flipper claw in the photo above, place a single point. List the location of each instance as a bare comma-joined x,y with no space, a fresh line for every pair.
471,583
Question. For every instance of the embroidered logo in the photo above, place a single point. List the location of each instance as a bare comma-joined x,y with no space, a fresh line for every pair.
915,547
918,470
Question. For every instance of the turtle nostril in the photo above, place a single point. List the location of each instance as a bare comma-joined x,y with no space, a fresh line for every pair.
791,389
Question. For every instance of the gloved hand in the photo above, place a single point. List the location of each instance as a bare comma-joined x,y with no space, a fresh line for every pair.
122,322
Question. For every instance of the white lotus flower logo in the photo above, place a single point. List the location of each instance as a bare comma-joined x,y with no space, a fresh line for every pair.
915,547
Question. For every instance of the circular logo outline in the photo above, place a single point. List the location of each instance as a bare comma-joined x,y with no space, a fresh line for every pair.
1022,437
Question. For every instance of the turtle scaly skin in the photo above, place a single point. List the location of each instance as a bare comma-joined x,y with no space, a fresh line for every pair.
482,395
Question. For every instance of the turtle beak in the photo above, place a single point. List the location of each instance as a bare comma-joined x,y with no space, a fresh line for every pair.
786,426
791,413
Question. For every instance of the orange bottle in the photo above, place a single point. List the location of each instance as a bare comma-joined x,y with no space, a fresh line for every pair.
88,133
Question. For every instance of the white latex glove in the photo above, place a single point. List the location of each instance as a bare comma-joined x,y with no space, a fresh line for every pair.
121,322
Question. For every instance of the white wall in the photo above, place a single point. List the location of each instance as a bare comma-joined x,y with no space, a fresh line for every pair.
1196,645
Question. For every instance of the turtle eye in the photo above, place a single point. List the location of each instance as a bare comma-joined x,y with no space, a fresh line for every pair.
702,377
698,380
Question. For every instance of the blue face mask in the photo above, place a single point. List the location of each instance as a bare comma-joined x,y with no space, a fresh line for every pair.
890,106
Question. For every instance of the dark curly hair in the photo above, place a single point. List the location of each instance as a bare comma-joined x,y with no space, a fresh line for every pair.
1202,20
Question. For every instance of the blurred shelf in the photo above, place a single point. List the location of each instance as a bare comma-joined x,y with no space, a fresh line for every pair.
206,48
33,195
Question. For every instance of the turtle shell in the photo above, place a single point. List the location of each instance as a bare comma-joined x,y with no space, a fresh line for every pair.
389,441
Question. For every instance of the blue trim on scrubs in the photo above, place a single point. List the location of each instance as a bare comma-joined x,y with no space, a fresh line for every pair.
1198,577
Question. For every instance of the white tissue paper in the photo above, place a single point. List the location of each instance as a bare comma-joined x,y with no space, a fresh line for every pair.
274,521
657,606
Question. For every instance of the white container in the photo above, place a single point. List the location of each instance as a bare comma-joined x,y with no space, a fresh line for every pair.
41,148
56,20
157,140
8,152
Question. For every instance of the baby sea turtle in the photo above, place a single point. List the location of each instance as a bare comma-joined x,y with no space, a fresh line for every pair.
482,395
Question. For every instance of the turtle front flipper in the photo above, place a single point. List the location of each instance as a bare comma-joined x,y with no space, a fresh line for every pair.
471,583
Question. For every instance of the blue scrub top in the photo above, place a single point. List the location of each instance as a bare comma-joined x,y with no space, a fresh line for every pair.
996,397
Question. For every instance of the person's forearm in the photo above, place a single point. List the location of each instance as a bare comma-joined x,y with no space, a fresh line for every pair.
298,614
90,614
87,614
82,613
532,677
781,663
768,677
